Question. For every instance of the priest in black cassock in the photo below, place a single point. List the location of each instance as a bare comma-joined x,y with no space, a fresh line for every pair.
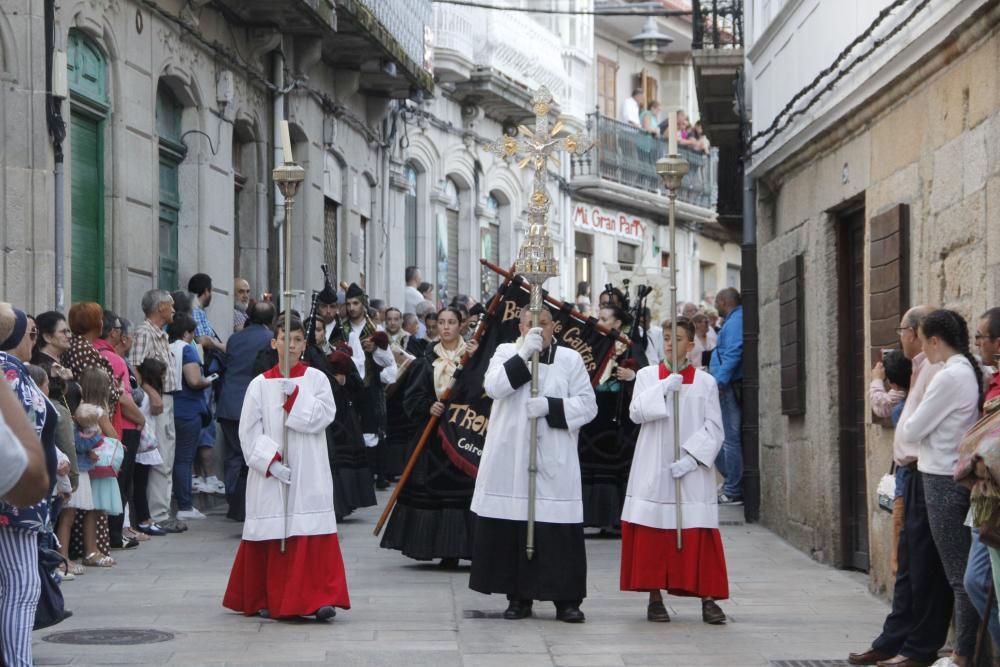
558,571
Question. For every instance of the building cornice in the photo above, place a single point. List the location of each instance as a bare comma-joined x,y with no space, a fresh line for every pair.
918,62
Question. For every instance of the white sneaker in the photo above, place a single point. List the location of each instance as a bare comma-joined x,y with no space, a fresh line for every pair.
189,515
215,485
198,485
945,662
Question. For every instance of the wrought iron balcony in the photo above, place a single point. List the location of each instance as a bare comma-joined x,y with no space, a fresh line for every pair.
717,24
627,155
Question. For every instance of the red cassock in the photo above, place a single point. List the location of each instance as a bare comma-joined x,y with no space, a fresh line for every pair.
651,561
309,575
650,558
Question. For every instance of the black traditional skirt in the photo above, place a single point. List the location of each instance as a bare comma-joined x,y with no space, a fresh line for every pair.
558,571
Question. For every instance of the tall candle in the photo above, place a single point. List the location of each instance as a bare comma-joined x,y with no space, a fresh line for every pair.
286,142
672,133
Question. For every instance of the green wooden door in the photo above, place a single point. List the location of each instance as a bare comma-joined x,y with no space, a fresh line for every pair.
172,152
87,273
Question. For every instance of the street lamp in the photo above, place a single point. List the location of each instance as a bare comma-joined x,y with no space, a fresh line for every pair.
287,177
672,170
650,41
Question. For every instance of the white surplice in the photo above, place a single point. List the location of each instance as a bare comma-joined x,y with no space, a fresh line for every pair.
502,483
650,499
310,495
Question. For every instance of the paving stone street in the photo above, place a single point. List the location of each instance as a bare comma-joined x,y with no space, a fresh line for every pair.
783,607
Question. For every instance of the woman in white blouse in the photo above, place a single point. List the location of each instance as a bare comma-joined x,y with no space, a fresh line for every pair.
950,406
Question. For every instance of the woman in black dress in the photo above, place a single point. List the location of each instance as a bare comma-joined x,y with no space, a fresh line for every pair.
432,518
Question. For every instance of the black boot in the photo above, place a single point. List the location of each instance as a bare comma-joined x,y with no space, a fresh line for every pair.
569,612
518,609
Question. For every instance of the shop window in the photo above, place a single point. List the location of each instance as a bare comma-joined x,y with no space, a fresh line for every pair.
627,254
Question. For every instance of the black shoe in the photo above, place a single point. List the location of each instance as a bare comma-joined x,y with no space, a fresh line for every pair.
151,529
657,612
449,563
124,543
264,613
381,483
518,609
325,613
711,613
569,613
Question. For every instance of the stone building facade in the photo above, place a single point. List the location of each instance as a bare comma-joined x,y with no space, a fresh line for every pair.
884,196
171,121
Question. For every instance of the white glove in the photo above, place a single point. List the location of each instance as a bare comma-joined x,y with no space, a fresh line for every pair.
288,387
680,468
537,407
533,342
383,358
672,383
280,472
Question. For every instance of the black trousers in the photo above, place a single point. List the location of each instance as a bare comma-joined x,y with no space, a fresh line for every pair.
130,441
922,599
236,470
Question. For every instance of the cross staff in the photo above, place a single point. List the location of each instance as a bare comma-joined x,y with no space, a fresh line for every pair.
536,260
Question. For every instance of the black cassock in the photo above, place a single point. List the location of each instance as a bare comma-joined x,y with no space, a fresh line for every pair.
606,446
431,518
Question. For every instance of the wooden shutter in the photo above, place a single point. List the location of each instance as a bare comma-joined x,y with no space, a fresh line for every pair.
888,253
791,284
87,184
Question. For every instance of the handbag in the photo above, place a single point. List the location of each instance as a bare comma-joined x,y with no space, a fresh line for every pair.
147,438
51,605
110,455
886,492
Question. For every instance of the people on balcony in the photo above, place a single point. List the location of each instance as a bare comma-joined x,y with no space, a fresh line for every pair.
631,107
651,118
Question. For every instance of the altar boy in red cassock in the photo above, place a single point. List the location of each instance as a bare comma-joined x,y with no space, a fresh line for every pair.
308,578
650,559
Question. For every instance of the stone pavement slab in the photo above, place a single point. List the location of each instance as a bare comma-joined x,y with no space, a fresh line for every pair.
783,606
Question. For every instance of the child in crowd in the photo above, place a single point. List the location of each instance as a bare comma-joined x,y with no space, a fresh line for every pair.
152,371
95,387
895,370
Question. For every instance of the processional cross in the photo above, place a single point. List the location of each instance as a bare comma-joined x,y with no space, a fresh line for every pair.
536,260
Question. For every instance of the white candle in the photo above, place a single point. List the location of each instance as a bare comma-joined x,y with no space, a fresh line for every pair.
286,142
672,133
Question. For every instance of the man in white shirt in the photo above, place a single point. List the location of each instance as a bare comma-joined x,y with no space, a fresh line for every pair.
918,624
632,106
413,295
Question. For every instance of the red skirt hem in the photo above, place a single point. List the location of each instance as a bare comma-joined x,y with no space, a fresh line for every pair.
307,576
651,561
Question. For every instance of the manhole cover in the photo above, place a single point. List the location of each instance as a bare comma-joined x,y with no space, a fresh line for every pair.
476,613
109,637
809,663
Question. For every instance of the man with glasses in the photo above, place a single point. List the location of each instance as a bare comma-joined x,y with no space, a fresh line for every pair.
917,626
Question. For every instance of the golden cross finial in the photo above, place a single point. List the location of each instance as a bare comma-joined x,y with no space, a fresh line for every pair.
539,146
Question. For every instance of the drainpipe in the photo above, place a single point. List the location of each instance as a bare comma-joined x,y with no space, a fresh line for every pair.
277,117
57,131
751,367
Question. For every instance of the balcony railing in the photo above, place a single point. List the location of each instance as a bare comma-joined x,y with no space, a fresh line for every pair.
625,154
717,24
406,22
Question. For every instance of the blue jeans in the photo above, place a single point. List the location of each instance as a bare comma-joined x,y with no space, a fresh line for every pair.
187,445
730,458
978,577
